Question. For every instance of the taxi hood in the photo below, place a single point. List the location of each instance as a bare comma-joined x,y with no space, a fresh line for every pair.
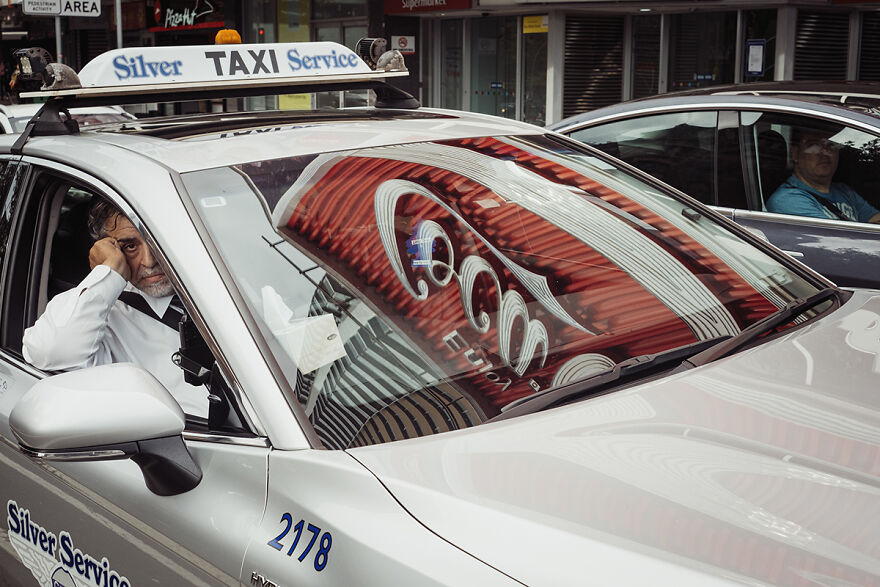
762,467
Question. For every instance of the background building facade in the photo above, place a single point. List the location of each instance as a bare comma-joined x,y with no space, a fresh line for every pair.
537,63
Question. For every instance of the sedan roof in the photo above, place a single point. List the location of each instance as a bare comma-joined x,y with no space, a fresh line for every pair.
851,112
189,143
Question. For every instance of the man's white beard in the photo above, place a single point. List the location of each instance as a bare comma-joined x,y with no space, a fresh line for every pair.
159,289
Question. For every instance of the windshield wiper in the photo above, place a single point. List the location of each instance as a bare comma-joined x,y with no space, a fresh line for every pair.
784,315
626,371
638,368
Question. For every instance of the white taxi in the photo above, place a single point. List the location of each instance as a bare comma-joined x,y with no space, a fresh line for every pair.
427,347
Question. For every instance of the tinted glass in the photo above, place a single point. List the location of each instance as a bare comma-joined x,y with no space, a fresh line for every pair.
731,190
676,148
646,55
702,49
408,290
534,59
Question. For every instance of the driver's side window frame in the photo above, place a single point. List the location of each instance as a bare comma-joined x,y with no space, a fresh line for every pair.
755,123
27,284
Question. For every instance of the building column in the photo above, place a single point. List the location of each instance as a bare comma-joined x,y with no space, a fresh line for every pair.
786,31
663,59
555,65
855,42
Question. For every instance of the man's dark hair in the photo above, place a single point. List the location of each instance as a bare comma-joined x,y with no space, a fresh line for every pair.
100,214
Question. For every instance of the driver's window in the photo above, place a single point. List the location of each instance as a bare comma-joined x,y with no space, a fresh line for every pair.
80,305
830,168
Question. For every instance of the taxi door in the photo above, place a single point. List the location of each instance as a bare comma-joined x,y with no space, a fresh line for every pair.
97,523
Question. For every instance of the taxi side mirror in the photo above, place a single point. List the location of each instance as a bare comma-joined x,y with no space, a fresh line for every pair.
108,412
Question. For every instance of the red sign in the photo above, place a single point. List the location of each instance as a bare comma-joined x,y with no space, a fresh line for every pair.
410,6
187,14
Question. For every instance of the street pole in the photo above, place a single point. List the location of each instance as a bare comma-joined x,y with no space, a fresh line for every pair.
58,39
119,24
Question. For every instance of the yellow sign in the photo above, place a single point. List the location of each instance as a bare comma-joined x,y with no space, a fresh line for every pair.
535,24
295,102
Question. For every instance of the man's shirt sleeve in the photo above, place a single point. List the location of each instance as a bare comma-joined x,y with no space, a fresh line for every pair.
864,210
71,332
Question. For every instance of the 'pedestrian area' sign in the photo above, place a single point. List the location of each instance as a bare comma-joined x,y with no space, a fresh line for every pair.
62,7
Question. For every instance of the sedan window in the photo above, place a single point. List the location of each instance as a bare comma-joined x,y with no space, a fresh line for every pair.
781,153
676,148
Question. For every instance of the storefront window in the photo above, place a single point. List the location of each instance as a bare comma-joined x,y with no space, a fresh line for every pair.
869,63
493,65
760,37
322,9
702,50
534,59
452,45
646,56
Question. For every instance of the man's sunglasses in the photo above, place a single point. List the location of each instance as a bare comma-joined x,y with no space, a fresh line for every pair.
816,147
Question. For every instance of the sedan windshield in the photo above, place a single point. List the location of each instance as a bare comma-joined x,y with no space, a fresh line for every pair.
419,288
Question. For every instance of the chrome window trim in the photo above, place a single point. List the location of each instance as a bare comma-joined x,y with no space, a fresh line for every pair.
72,456
793,109
844,96
22,365
251,419
807,220
253,441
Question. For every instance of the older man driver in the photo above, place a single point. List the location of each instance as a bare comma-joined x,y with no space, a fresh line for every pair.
809,191
91,324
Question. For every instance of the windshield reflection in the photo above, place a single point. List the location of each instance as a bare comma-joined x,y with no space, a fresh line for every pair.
465,275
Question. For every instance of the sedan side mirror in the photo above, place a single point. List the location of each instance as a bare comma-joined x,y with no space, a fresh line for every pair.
108,412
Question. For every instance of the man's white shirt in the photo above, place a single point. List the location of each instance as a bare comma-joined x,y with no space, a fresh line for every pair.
87,326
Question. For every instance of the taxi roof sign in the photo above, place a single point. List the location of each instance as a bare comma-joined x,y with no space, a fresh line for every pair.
207,63
140,74
153,70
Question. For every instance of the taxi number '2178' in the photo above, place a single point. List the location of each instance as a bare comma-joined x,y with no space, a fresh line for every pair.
321,554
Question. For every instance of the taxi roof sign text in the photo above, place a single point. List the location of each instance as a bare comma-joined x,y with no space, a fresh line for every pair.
212,63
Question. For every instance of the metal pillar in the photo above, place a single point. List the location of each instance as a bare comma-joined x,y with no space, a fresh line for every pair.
58,56
119,24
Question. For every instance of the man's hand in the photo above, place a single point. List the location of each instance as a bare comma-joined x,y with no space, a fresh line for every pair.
107,252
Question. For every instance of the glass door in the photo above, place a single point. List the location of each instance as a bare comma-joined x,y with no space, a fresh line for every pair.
451,63
493,65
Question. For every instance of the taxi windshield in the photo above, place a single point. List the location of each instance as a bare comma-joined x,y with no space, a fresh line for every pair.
413,289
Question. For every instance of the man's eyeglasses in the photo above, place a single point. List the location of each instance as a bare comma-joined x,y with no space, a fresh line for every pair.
816,147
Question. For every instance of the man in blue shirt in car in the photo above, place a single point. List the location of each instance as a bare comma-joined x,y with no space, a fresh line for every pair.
809,191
